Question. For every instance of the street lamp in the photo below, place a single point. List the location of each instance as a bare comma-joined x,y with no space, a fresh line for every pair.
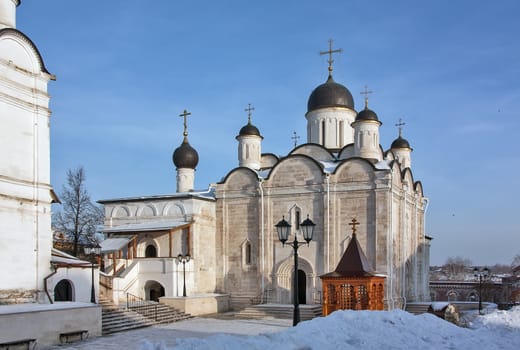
92,250
283,229
481,275
183,259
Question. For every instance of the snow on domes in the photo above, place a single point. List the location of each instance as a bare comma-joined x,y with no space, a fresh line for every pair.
330,94
185,156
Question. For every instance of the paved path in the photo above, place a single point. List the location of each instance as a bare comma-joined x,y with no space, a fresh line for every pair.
192,328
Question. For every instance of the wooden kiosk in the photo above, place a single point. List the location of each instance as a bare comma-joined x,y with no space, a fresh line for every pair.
353,285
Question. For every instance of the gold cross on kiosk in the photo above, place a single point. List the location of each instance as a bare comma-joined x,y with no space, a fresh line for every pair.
354,223
330,52
184,115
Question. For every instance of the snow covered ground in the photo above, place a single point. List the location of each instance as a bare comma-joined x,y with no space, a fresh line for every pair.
340,330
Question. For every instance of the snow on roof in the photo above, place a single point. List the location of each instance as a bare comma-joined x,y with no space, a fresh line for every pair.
57,256
329,167
202,194
145,226
114,244
383,165
264,173
33,307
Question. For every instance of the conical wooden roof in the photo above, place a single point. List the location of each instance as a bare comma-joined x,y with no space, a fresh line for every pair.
354,262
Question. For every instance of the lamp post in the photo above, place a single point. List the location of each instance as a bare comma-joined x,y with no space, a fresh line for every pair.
92,250
183,259
283,229
480,275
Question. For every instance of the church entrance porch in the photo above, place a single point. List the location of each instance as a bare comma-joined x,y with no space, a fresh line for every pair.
285,282
153,290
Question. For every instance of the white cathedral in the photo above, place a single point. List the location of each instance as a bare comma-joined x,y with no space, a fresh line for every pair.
228,231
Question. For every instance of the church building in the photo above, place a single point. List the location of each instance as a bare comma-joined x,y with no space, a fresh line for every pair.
228,231
35,278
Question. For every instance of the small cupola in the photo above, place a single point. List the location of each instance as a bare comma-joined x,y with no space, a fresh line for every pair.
366,132
401,148
185,158
249,144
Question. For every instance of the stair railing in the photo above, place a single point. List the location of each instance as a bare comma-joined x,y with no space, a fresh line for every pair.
145,307
261,298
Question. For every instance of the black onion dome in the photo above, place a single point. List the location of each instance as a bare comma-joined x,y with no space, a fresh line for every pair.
330,94
367,114
249,129
185,156
400,143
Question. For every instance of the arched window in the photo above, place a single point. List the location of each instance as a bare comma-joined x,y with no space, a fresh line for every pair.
452,296
151,251
63,291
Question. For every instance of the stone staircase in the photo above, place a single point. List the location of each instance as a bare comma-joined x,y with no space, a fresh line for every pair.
116,319
307,312
161,313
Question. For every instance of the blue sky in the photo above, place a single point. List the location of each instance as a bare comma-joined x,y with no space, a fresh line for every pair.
451,69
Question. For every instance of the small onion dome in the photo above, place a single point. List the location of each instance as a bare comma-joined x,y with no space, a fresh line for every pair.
366,114
330,94
185,156
249,129
400,143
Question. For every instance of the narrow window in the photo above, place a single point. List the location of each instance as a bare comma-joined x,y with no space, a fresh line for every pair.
323,133
341,135
297,218
247,253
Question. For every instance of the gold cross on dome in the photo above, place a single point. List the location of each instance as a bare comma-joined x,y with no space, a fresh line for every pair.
400,126
330,52
354,223
295,138
184,115
366,93
249,109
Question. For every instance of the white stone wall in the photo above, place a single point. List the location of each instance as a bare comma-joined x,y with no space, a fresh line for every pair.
249,151
390,232
45,323
331,127
366,139
25,211
185,179
80,279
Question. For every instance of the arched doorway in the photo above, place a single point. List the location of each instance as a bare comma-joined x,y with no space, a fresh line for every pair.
151,251
63,291
302,287
153,290
285,281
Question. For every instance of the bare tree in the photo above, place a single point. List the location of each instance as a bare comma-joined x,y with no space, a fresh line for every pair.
456,266
516,261
79,217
